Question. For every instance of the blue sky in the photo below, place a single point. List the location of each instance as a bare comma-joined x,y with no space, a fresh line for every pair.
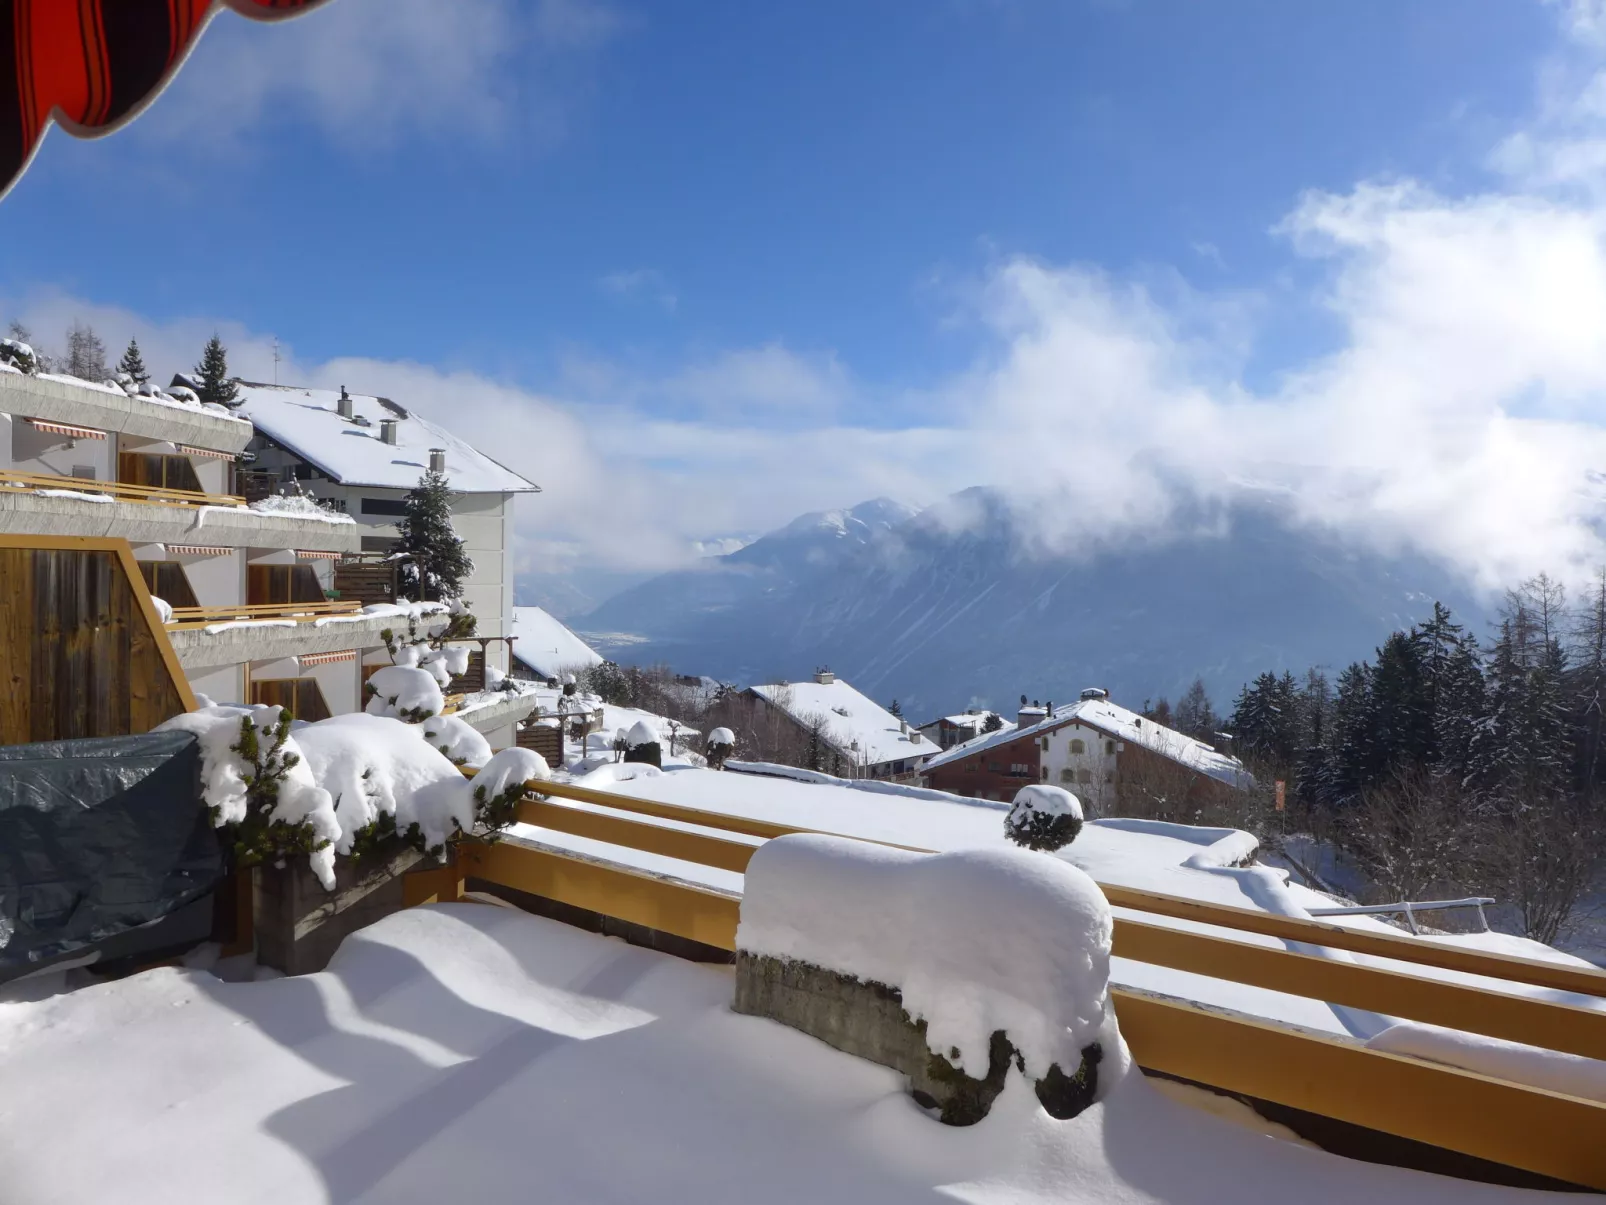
813,252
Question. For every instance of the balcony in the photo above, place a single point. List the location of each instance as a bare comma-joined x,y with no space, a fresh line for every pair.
206,637
64,400
42,504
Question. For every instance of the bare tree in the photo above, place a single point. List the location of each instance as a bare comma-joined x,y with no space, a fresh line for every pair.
86,354
1414,839
1542,854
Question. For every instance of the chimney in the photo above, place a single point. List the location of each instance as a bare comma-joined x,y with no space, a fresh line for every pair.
344,405
437,460
1095,692
903,727
1029,714
387,430
824,677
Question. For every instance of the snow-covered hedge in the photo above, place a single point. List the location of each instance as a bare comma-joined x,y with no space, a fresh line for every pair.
342,785
642,744
1044,818
976,941
404,693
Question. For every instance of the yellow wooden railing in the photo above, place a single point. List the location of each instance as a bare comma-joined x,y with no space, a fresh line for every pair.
200,617
1521,1126
121,491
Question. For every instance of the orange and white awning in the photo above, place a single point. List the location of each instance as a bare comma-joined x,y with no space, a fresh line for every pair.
326,658
196,550
189,451
71,432
308,554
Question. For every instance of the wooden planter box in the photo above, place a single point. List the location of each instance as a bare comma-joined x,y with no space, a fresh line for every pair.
299,925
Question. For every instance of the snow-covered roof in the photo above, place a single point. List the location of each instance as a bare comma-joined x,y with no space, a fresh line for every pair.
542,642
854,724
1115,721
308,423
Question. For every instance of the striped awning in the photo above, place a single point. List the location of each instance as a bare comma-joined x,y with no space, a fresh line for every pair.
196,550
326,658
94,64
66,429
310,554
189,451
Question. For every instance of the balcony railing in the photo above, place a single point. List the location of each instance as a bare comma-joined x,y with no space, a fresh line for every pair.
121,491
201,617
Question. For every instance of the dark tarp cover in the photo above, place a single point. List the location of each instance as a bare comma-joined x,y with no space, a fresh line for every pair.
98,837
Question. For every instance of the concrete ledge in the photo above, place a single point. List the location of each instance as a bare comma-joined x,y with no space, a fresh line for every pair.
488,718
145,523
868,1019
199,649
105,410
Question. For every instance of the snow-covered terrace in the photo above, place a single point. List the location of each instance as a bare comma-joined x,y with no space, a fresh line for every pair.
228,640
103,407
1202,864
43,509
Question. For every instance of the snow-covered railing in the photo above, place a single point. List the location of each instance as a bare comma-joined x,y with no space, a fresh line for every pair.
1410,908
306,612
1486,1115
117,490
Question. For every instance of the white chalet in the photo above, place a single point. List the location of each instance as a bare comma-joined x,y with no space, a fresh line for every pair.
361,454
863,739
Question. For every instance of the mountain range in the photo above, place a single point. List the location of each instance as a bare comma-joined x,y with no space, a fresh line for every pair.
952,607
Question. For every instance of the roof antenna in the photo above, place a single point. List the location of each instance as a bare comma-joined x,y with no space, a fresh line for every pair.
276,359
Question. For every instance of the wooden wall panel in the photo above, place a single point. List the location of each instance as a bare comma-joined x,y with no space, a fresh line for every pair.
83,652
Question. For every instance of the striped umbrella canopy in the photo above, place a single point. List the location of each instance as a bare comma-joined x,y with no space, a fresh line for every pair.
92,65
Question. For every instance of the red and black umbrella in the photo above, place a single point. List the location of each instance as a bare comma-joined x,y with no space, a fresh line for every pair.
92,65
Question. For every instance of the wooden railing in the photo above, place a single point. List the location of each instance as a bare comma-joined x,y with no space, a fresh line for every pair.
1548,1133
200,617
121,491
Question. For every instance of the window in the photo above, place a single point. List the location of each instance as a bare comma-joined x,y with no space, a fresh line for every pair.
1045,744
1084,776
168,582
299,696
1045,773
281,584
1020,769
383,544
1067,776
384,506
1078,745
155,469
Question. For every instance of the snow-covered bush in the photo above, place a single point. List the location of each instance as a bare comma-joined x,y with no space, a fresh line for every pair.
405,693
1043,817
19,355
641,745
721,744
459,742
256,782
500,786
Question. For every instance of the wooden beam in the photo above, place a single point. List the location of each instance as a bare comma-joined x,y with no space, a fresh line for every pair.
1539,1131
669,811
436,885
153,621
1498,1014
1555,975
644,899
638,834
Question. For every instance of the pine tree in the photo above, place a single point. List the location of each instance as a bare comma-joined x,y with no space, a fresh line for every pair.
1265,722
213,371
437,564
133,364
894,709
1587,689
86,354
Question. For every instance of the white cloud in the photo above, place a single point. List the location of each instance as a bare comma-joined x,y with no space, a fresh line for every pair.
366,71
1461,410
640,283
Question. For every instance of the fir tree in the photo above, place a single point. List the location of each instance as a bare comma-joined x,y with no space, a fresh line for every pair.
133,364
894,709
437,564
213,371
1587,689
993,722
1265,722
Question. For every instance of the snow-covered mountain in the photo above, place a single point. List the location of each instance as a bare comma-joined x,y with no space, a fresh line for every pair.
947,607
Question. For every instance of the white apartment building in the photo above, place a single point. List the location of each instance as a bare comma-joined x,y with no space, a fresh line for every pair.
248,585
